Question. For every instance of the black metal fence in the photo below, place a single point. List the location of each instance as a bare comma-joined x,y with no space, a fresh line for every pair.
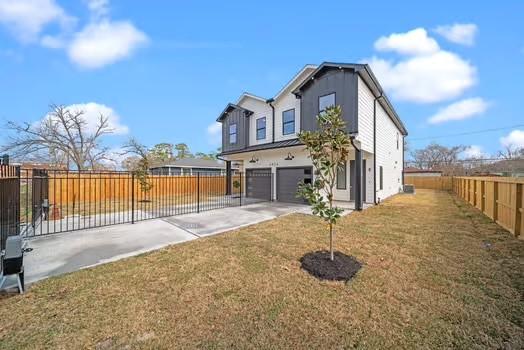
60,201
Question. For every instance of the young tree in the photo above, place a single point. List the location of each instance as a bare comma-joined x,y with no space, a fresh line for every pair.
142,163
63,135
328,149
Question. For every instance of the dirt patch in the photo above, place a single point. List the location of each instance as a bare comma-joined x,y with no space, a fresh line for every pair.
318,264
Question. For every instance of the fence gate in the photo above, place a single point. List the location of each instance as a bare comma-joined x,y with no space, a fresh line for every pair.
9,204
39,197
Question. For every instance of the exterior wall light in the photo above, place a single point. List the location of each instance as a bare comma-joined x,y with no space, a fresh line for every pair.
253,160
289,156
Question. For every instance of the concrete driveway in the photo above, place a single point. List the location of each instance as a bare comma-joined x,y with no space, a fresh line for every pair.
217,221
61,253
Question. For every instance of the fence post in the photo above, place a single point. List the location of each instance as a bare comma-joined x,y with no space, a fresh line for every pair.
495,200
240,188
482,195
518,209
18,207
132,198
198,192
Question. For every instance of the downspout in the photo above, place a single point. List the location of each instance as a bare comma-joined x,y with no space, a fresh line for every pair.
270,103
358,174
375,147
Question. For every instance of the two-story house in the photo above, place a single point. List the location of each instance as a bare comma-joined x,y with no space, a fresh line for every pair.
260,135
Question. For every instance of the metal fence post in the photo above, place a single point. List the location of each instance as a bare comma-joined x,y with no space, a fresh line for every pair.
17,207
132,198
198,192
240,188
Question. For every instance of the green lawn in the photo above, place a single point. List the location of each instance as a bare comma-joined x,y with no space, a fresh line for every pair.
437,274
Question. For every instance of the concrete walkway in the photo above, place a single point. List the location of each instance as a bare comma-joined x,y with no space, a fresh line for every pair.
61,253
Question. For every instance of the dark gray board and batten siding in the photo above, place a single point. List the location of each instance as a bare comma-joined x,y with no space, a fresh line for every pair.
344,83
237,116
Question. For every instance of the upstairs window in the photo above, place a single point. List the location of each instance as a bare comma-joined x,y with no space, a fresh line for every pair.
325,102
261,128
398,143
288,122
232,134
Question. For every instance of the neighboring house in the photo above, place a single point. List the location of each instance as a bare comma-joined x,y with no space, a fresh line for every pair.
410,171
261,135
190,166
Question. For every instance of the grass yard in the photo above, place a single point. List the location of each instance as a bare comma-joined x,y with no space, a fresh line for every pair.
436,274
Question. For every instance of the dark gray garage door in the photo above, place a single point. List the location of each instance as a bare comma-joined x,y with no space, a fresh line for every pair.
258,183
287,183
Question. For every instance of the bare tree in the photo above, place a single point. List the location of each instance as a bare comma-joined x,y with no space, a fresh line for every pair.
63,135
436,156
511,152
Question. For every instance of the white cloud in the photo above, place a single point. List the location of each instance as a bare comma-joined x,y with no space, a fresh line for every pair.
464,109
425,79
428,74
414,42
92,112
105,42
214,133
474,151
463,34
514,139
100,42
98,8
53,42
27,18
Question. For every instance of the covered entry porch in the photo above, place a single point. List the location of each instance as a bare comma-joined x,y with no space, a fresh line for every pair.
288,166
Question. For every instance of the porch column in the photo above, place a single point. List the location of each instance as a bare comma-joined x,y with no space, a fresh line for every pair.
228,177
358,179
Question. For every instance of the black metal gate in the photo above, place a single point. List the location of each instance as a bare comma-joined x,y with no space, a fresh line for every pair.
39,197
59,200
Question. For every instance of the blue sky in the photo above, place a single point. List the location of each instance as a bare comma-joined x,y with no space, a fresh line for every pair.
164,70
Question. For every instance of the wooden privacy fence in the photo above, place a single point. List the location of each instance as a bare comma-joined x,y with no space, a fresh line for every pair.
441,183
69,188
500,198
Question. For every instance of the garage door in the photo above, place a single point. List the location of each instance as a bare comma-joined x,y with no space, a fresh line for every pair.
288,180
258,183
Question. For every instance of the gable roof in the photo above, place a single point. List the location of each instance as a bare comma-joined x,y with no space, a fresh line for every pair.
250,95
230,107
365,72
294,79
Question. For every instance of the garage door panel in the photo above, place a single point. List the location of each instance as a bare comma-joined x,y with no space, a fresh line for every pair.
258,183
287,183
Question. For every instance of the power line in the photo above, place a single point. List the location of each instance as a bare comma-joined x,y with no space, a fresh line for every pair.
467,133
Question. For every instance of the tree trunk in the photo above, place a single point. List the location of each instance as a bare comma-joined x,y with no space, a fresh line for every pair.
331,253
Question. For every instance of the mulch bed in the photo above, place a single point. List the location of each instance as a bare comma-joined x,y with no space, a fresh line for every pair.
318,264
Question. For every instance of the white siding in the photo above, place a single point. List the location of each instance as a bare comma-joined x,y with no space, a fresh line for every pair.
388,155
284,103
369,177
365,116
259,109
